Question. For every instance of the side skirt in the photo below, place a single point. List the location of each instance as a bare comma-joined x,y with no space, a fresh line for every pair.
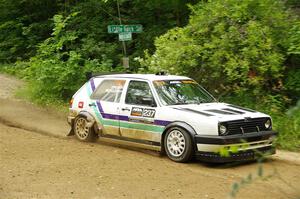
131,142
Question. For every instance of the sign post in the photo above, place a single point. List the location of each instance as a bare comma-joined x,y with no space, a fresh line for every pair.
125,34
125,61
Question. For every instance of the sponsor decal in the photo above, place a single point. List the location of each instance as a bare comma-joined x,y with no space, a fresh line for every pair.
142,112
159,83
141,120
136,111
164,82
188,82
175,82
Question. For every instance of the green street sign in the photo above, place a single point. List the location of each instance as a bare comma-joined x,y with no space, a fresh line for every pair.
125,36
125,28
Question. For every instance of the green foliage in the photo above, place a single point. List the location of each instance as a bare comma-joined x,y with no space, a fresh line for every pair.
58,70
294,39
292,84
288,126
292,80
26,23
11,40
17,69
228,47
23,25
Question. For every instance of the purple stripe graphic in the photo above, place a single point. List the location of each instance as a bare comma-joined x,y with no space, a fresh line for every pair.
123,118
115,117
98,103
120,117
161,122
92,84
100,108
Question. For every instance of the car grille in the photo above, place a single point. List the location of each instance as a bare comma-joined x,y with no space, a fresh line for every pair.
248,125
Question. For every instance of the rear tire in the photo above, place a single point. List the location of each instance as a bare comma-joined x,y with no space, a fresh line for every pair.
82,131
178,145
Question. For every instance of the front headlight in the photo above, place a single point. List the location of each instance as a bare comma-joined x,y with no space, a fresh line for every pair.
268,124
222,129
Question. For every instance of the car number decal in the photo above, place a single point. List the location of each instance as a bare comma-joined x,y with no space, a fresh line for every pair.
148,113
142,112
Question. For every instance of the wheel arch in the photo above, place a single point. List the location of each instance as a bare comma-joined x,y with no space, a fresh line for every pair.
91,121
188,128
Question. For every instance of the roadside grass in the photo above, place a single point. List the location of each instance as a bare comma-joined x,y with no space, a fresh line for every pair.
16,69
28,93
288,126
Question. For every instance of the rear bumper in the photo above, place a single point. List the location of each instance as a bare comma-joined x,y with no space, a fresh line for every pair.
235,147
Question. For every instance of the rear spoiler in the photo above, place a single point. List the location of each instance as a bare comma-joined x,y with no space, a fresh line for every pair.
89,75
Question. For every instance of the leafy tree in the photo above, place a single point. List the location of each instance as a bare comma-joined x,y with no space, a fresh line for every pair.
58,70
228,46
292,74
24,23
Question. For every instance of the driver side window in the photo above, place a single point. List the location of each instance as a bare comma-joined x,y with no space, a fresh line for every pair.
139,93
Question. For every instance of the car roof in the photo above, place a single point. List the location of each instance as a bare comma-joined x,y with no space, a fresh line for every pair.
150,77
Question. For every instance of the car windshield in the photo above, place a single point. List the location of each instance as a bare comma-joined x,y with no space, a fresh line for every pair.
173,92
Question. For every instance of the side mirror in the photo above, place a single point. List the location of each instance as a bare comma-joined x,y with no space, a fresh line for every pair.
148,101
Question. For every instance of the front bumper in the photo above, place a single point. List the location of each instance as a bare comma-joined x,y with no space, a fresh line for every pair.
234,147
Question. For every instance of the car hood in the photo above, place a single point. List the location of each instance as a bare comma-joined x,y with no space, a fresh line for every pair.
220,111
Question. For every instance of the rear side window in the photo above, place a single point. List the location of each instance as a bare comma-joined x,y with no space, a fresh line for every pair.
109,91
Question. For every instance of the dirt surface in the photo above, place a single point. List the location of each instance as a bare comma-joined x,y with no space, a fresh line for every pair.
38,161
8,85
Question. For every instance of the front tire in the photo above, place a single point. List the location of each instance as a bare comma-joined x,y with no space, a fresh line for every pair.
82,131
178,145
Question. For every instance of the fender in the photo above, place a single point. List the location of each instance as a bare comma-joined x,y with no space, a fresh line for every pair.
183,125
91,121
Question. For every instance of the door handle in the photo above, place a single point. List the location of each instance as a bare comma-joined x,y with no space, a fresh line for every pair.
125,109
92,104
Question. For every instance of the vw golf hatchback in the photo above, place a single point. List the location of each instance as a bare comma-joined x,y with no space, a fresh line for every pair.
171,114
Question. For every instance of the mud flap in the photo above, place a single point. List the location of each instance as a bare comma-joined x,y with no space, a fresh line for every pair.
71,132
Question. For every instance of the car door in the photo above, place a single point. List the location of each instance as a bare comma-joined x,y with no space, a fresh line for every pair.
105,104
140,108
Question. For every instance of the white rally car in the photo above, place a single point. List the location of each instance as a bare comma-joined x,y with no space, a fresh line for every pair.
171,114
